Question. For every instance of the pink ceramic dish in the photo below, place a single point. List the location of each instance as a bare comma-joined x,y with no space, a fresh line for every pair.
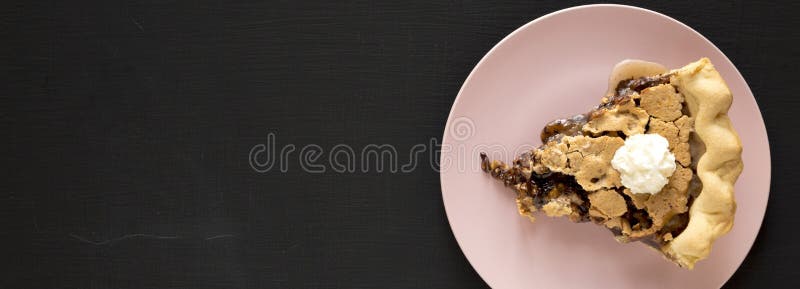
557,66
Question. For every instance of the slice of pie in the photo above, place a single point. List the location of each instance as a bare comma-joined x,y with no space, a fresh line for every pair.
655,162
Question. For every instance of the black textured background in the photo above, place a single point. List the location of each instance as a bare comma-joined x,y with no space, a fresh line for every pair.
127,125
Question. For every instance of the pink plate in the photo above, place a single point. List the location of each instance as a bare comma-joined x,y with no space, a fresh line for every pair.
553,67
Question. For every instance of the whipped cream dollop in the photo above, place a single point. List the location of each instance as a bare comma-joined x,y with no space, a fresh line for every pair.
644,163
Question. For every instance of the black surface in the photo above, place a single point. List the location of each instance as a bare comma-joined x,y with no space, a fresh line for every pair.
128,126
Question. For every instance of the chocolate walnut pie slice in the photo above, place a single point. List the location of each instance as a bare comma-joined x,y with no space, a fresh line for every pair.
655,162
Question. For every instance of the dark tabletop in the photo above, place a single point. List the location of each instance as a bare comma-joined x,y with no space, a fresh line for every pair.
128,128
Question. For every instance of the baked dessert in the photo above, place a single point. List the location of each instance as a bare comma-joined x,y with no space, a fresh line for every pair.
655,162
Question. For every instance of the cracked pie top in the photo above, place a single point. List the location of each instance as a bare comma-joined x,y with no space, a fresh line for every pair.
655,162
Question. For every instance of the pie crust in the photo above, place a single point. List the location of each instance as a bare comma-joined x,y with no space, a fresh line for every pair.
718,161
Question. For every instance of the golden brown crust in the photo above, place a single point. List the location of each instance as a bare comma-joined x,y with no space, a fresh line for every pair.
607,204
627,118
638,200
682,149
718,166
671,200
558,207
590,161
662,101
586,158
672,132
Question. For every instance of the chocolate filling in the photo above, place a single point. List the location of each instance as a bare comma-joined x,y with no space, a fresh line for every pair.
555,130
559,128
543,188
